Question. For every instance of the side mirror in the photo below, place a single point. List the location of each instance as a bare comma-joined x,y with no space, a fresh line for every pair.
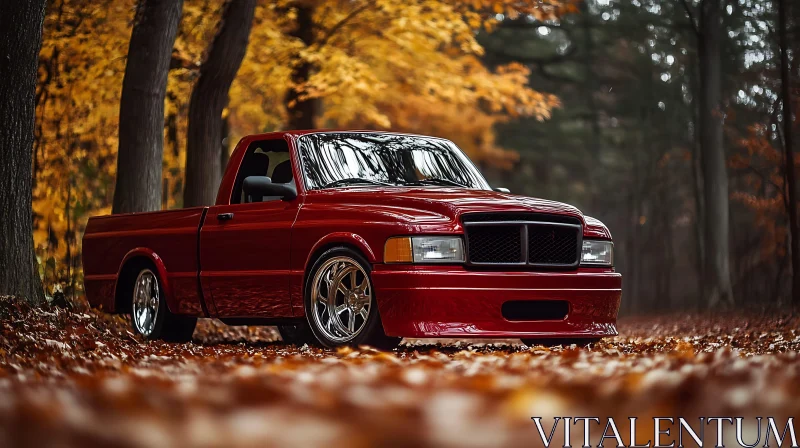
501,190
260,186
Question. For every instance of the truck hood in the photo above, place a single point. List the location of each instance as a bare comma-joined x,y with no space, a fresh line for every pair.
416,204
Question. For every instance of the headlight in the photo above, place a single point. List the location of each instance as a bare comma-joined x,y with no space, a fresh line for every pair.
597,253
424,249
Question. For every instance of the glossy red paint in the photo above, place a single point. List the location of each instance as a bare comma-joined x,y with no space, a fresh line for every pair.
168,239
245,260
254,265
451,301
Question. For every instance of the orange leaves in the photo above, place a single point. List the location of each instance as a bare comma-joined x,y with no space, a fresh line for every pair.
761,163
82,61
79,378
540,9
386,65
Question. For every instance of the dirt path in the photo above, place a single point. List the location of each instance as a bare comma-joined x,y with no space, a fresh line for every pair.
81,379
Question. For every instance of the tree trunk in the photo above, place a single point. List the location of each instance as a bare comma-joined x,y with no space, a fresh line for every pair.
141,111
697,191
593,138
715,177
209,98
788,121
302,111
20,41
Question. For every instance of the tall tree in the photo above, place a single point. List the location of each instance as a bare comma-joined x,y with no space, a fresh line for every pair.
594,137
20,40
141,112
788,121
302,111
716,226
209,98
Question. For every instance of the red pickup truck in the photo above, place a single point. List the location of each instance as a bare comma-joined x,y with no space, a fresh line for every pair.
358,237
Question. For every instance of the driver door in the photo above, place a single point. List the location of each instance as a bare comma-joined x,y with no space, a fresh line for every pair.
244,247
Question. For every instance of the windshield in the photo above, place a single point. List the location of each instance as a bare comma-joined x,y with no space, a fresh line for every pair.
339,159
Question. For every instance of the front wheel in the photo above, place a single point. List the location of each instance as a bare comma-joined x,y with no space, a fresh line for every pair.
340,302
149,313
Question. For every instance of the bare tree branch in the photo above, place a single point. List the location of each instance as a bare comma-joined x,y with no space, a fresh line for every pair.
340,24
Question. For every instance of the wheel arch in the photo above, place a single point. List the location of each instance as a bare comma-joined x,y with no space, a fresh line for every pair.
131,264
351,241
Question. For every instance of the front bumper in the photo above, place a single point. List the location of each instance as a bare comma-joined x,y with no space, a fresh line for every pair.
452,301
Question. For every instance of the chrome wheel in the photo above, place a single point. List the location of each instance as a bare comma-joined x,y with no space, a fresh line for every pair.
145,302
341,298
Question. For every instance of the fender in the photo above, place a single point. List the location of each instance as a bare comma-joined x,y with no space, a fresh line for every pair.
342,237
158,263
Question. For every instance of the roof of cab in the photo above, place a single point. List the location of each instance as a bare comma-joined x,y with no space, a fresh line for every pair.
301,132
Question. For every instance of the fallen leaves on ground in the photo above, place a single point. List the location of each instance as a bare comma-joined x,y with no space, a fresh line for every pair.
82,378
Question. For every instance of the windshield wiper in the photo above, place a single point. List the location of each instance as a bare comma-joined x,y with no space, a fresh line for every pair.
436,181
355,181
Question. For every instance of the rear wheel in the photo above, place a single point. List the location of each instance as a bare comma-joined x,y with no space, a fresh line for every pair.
149,313
552,342
340,302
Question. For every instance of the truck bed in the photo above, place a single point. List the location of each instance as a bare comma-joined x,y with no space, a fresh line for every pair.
112,240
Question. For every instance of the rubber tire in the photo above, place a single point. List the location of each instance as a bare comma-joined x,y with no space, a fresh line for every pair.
372,334
298,334
566,342
169,327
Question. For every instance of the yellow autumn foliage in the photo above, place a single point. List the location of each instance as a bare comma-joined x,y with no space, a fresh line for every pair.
379,64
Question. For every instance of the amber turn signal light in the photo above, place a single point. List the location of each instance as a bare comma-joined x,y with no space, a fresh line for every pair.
398,250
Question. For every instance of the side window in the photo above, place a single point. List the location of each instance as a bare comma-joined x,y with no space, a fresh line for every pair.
264,158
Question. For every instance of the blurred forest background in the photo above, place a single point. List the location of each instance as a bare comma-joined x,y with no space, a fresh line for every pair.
666,119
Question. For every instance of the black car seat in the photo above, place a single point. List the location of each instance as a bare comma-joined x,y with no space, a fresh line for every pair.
282,174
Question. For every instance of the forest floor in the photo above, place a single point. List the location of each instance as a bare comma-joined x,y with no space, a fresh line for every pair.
81,378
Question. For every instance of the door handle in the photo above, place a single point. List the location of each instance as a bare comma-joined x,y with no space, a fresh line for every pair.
225,216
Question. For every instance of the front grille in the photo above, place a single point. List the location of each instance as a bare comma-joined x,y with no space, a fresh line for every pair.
495,244
530,239
552,244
